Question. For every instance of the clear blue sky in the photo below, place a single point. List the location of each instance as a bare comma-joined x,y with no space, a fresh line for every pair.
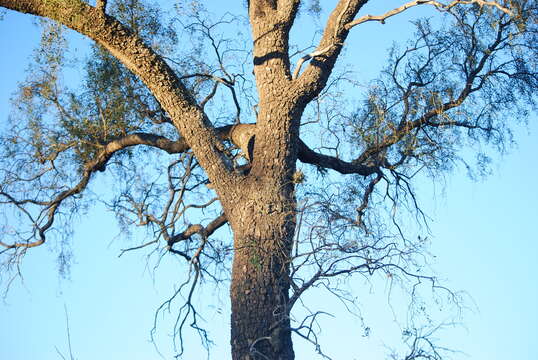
483,236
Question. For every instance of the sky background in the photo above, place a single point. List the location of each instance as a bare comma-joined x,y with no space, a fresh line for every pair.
483,236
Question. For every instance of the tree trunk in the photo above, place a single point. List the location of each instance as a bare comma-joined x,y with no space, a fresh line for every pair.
264,226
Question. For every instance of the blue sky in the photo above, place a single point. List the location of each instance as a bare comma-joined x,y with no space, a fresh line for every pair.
483,237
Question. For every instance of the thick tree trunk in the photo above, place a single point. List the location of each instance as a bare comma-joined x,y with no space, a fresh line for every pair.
263,235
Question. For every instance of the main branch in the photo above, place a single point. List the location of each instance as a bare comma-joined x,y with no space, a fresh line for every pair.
315,76
138,57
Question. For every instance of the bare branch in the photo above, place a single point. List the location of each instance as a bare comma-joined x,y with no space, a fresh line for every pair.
123,251
315,76
308,57
308,156
437,4
97,164
199,229
51,207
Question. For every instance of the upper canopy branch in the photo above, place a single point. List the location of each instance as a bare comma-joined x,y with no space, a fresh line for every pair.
142,60
205,231
270,26
476,75
439,5
315,76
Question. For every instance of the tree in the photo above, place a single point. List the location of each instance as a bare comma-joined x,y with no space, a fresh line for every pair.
145,97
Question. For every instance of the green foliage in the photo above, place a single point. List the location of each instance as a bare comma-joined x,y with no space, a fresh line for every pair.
110,103
146,19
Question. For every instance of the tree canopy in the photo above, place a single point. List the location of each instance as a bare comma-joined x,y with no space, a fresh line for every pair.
249,150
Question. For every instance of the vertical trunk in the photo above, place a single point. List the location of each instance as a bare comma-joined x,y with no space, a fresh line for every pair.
263,220
263,235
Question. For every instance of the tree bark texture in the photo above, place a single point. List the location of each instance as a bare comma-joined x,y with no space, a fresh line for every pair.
262,215
263,233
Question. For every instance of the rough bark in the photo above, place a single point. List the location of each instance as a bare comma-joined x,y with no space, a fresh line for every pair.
264,224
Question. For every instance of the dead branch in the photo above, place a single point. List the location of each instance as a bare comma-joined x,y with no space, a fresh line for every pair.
436,4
